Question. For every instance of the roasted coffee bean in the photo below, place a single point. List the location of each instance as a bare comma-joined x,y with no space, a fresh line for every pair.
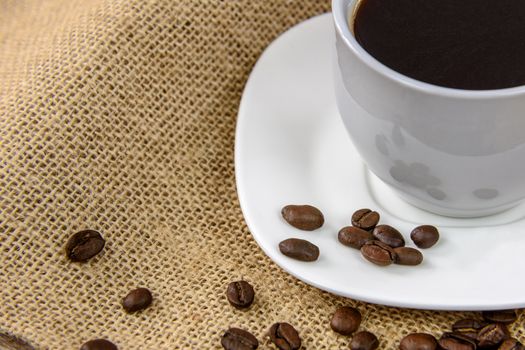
389,235
468,324
492,334
98,344
137,299
285,337
378,253
84,245
345,320
511,344
354,236
408,256
239,339
240,294
468,327
418,341
11,342
365,219
425,236
500,316
456,341
299,249
303,217
364,341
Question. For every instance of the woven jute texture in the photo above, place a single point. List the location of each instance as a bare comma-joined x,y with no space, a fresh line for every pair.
119,115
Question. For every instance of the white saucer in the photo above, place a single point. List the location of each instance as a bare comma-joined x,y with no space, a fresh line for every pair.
292,148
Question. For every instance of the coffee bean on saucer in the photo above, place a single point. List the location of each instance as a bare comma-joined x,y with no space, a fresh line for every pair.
239,339
299,249
408,256
365,219
424,236
98,344
378,253
500,316
303,217
364,341
418,341
468,327
389,235
285,336
456,341
84,245
136,300
240,294
511,344
354,237
345,320
492,335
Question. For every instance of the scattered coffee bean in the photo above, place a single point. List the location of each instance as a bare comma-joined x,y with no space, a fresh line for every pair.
84,245
364,341
389,235
365,219
137,299
468,327
408,256
240,294
11,342
424,236
418,341
378,253
239,339
500,316
303,217
354,236
299,249
285,337
511,344
456,341
98,344
345,320
492,335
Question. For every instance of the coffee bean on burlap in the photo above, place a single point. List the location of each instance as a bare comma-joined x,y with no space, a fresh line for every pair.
364,341
98,344
84,245
468,327
239,339
303,217
425,236
492,334
511,344
418,341
240,294
456,341
500,316
137,299
285,336
345,320
365,219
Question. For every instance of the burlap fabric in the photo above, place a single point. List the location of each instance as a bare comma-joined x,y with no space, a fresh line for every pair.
119,115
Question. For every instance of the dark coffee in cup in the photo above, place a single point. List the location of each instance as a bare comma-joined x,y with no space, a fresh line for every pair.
467,44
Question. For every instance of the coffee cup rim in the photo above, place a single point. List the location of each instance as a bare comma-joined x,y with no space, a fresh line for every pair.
340,17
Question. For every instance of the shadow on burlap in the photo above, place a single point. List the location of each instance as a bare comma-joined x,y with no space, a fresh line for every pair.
119,116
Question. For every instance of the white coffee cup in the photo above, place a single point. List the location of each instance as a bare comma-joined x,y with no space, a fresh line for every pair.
452,152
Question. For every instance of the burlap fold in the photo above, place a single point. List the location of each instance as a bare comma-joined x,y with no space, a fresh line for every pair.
119,116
